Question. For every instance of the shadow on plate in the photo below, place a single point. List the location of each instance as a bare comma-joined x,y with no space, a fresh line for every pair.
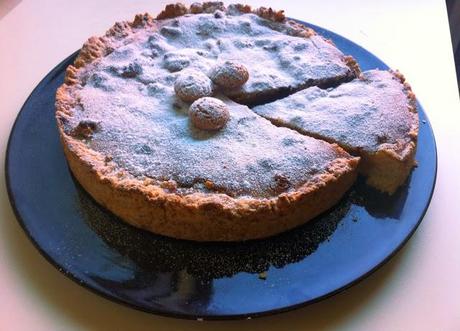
207,261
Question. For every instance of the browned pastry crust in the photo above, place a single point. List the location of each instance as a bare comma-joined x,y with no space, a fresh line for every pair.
389,167
197,216
205,217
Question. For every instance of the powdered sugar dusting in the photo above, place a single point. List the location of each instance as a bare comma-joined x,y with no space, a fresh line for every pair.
150,137
145,128
275,60
362,114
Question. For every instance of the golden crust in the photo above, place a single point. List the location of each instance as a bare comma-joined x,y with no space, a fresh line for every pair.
204,217
352,64
270,14
172,10
389,167
198,216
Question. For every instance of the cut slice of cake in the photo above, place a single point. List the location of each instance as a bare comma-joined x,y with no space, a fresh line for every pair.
373,116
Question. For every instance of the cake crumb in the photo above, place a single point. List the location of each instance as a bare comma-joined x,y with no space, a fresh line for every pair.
263,275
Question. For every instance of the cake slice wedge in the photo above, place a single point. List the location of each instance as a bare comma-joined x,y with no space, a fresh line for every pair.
373,116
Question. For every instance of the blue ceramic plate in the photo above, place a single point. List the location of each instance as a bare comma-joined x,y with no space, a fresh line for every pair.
193,280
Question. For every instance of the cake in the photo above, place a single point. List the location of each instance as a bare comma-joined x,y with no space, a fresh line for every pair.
373,116
156,122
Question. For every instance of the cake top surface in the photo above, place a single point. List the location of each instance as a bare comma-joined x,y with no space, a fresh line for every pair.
153,138
362,114
278,55
275,59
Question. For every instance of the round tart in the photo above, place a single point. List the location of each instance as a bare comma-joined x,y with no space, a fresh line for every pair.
135,144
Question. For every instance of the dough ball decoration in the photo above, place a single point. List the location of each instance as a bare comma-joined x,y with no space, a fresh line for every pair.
229,75
191,85
209,114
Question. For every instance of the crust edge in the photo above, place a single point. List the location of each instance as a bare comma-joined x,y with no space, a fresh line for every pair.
399,158
206,217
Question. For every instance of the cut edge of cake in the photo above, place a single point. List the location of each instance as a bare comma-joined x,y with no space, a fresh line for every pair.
260,98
